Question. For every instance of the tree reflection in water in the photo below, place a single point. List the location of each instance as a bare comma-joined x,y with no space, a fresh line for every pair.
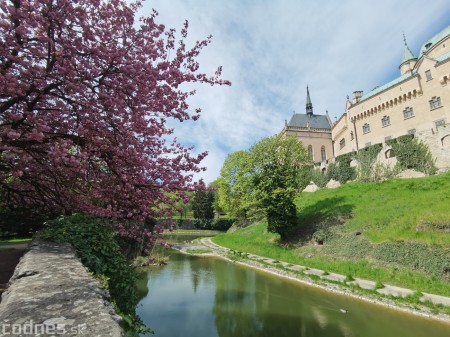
207,297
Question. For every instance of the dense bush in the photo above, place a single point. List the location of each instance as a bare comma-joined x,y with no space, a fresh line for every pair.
304,177
97,244
319,178
412,154
217,224
343,172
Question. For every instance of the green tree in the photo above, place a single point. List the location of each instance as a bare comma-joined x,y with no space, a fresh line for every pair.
277,163
202,205
215,188
235,187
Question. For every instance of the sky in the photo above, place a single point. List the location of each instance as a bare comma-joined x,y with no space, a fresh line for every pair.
272,49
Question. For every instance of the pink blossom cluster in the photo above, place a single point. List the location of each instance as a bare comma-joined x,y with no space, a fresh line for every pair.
85,96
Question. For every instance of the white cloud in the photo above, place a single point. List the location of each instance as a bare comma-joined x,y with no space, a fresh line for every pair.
271,50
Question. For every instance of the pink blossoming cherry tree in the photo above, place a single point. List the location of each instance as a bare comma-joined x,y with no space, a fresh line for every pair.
85,96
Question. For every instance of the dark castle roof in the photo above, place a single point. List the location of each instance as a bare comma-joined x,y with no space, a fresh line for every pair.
311,121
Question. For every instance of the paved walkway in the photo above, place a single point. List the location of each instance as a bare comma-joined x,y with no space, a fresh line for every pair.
386,289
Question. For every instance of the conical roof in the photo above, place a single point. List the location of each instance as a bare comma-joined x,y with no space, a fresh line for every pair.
408,55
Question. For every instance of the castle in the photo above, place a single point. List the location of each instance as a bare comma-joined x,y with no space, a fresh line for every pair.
417,102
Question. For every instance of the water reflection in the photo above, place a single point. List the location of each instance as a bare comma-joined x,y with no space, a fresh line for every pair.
210,297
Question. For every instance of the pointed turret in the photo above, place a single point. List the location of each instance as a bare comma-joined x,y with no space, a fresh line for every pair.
409,60
309,107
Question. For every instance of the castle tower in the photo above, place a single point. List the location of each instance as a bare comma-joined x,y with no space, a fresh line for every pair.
409,60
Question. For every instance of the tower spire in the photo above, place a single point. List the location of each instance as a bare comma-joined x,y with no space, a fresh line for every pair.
409,60
309,107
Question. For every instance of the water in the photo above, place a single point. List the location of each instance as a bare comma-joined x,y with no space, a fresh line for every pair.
207,297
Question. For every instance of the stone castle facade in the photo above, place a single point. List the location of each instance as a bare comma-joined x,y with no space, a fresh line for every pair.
313,130
417,102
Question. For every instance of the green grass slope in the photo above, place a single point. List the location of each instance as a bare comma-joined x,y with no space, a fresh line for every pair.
395,232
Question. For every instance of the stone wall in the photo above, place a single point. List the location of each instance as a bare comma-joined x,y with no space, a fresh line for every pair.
438,140
52,294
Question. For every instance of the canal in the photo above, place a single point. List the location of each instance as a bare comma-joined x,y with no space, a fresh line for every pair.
207,297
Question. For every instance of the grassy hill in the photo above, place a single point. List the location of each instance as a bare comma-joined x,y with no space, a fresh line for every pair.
395,232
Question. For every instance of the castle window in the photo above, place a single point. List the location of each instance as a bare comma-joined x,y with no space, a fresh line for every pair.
439,122
428,75
408,113
352,136
342,143
386,121
310,152
366,128
323,153
411,131
435,102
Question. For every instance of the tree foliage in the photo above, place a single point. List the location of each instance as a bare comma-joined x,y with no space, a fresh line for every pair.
203,205
277,161
235,187
263,181
85,97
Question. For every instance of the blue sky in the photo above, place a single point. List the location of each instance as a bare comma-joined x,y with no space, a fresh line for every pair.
272,49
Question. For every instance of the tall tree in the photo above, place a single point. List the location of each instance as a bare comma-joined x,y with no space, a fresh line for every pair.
235,187
203,205
263,181
277,162
85,94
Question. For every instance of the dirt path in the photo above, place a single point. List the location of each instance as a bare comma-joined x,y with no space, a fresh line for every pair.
9,257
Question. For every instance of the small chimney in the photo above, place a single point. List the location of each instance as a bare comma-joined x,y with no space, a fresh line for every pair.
357,96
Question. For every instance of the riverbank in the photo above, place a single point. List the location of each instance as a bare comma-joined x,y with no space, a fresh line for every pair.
391,297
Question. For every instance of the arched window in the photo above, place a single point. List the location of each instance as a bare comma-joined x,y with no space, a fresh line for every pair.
323,153
310,152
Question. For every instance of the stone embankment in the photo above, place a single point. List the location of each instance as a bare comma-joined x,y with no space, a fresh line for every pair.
52,294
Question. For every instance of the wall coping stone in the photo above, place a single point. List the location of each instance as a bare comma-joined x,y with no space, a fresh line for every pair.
52,294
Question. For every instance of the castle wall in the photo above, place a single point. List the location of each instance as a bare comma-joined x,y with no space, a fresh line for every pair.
382,114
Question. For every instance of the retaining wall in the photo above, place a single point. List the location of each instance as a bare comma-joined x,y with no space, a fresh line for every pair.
52,294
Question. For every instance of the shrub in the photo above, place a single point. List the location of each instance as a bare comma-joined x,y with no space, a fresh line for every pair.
321,236
304,177
344,172
223,224
319,178
413,154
